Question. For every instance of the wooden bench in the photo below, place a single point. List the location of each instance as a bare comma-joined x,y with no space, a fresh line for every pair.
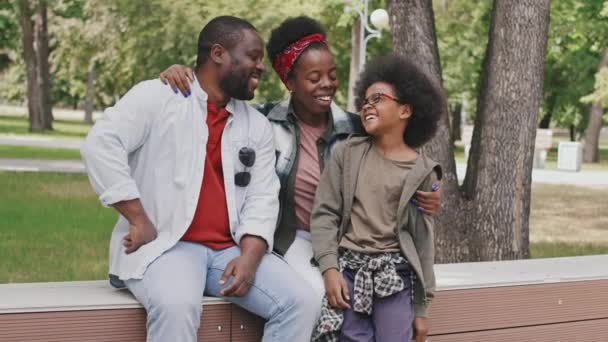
540,300
95,311
542,145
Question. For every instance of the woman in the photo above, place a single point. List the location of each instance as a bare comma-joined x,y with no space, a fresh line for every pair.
306,125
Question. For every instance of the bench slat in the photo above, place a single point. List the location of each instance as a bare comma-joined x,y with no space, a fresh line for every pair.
588,331
460,311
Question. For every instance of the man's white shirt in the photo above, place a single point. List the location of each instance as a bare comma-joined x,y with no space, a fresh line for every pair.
151,145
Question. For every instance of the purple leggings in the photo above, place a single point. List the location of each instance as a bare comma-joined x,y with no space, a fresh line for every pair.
391,319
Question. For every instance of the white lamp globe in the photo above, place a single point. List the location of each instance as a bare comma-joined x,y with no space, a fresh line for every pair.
379,18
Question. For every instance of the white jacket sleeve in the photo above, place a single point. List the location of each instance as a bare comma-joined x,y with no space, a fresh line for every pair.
261,206
121,130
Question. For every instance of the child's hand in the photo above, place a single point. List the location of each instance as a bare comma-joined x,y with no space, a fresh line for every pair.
421,329
337,290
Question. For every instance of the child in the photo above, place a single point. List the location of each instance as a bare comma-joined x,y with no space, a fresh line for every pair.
374,248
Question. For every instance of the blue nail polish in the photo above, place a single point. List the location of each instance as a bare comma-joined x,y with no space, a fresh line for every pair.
189,93
175,91
414,201
164,82
185,94
435,186
419,209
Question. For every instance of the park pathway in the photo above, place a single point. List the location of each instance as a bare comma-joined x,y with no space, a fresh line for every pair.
544,176
39,141
582,178
39,165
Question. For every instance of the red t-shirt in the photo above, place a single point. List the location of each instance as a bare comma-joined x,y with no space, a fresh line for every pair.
210,225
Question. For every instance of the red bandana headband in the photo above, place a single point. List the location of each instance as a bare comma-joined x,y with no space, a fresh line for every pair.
283,62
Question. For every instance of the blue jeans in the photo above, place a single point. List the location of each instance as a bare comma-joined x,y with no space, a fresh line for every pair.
173,286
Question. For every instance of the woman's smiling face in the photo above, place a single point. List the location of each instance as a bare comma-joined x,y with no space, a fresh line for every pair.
314,82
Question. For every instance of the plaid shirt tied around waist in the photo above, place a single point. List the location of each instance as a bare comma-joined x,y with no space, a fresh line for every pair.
376,276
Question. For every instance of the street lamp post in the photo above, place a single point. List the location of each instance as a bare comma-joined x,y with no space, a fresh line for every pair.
362,32
380,21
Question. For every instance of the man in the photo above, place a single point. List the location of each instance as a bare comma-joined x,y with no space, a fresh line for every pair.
193,179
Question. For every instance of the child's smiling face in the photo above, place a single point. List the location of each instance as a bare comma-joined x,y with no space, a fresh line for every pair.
382,111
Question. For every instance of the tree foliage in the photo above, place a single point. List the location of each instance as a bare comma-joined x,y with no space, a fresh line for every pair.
600,93
578,34
9,34
600,89
462,34
129,41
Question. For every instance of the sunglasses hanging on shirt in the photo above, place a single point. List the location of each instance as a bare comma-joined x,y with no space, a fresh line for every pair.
247,158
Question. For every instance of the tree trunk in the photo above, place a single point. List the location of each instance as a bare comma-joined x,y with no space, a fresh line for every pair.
546,120
88,104
35,53
591,153
35,116
486,219
456,122
42,55
355,63
500,170
572,131
413,29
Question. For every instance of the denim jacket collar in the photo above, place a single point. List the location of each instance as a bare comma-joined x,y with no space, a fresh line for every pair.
340,120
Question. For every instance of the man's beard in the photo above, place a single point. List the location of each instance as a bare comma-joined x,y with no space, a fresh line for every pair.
236,86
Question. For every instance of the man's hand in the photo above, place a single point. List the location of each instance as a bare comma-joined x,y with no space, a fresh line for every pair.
141,229
428,202
178,77
336,288
140,233
421,329
242,268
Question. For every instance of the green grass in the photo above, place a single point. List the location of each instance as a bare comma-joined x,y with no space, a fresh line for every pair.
567,220
566,213
565,249
52,228
61,128
32,152
459,154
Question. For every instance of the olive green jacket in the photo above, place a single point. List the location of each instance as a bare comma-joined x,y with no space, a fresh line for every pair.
333,205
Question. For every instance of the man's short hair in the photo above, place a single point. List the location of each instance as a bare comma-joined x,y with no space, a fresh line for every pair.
224,30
